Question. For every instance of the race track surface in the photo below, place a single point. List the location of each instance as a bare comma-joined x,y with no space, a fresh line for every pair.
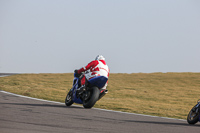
6,74
23,115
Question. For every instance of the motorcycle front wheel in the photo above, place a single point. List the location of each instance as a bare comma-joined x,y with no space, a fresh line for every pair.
68,99
92,98
193,116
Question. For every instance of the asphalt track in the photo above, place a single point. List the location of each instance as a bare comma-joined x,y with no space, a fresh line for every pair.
25,115
7,74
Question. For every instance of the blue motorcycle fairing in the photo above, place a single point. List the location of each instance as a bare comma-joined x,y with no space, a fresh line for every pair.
74,88
98,81
76,99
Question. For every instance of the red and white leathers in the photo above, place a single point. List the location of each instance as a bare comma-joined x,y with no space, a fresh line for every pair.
96,68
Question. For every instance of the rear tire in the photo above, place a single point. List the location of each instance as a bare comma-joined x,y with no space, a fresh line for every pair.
193,116
68,99
93,98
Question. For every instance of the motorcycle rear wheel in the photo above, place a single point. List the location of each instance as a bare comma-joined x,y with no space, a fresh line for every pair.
193,116
68,99
93,98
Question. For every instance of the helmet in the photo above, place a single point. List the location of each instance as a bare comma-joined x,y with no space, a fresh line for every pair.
99,57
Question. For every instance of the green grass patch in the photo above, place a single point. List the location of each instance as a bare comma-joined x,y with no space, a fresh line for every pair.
161,94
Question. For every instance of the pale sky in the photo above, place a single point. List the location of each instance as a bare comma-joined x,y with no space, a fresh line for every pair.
58,36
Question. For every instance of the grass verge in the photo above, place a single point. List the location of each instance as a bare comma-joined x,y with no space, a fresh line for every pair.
160,94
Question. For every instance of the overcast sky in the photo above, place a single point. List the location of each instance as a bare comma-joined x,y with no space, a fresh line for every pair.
58,36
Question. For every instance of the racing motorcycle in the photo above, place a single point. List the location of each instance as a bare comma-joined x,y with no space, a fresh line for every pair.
194,114
89,95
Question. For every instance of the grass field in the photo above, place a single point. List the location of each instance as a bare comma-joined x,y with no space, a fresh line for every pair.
160,94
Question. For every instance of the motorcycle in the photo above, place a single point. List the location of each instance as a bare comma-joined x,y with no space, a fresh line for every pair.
194,114
89,95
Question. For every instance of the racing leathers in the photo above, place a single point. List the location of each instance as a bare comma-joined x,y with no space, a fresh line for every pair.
96,73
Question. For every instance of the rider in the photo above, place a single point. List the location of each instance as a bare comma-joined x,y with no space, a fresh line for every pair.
96,73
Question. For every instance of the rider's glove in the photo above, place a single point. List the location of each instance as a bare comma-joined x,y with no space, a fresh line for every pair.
76,73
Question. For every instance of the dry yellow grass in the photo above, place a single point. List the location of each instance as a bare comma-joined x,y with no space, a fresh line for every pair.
160,94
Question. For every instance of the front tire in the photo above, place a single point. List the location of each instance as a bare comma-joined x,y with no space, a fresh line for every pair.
193,116
93,98
68,99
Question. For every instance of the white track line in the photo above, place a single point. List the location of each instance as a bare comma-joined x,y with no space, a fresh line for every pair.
92,108
3,75
30,97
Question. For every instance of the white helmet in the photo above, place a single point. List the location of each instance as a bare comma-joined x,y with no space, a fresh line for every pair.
99,57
